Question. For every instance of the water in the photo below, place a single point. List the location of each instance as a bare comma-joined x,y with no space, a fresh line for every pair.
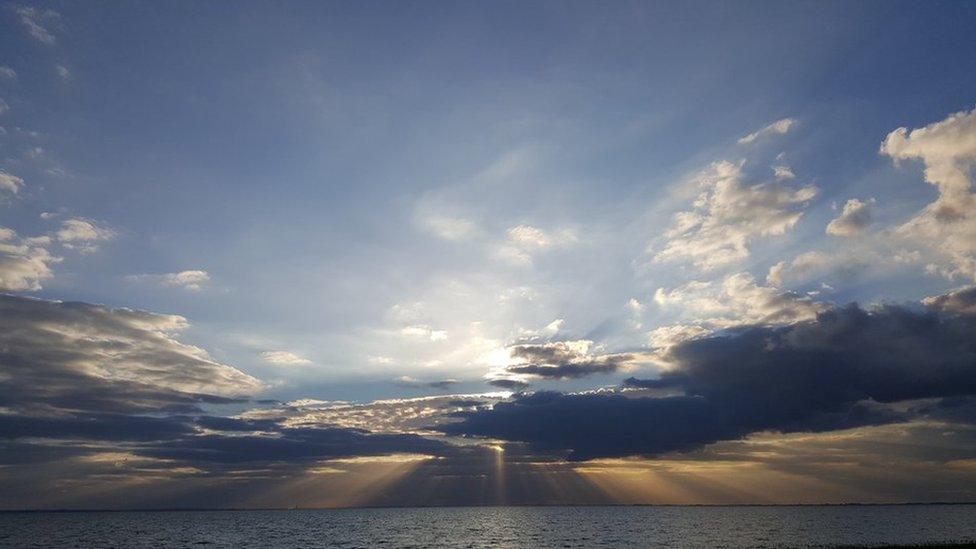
475,527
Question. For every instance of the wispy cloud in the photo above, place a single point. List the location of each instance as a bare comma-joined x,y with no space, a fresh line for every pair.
40,23
776,128
285,358
728,214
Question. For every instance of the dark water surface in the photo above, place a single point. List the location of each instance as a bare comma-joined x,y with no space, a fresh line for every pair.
499,527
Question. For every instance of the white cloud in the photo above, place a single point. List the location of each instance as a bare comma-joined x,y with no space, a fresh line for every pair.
665,337
189,280
449,228
4,107
424,331
636,309
24,263
778,127
947,225
10,183
192,280
6,73
522,241
728,214
63,72
783,173
38,22
738,300
527,235
82,234
853,220
809,265
553,327
285,358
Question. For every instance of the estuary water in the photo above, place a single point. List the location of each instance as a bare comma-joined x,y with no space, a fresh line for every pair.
516,527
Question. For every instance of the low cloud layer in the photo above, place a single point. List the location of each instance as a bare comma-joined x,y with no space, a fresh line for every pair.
837,371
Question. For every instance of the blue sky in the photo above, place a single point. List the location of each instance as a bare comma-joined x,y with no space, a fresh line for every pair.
289,153
354,201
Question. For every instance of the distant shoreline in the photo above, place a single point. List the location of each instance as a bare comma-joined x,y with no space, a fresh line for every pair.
366,507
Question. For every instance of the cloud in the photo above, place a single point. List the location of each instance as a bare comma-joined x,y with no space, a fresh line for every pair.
533,237
776,128
838,371
82,234
63,72
665,337
8,74
783,173
961,301
79,356
191,280
558,360
852,221
522,242
947,225
285,358
443,384
294,446
507,383
729,214
39,23
10,183
811,265
423,331
4,107
399,415
24,262
739,300
449,228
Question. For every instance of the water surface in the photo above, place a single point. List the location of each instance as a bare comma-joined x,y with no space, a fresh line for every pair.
477,527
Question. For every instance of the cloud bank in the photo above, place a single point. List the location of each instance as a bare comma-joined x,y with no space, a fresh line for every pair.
836,371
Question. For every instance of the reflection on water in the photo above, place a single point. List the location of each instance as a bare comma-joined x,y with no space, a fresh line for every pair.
476,527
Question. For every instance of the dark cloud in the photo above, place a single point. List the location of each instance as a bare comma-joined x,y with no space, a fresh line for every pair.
217,423
78,379
513,384
441,384
571,370
563,360
83,357
295,446
106,427
663,383
825,374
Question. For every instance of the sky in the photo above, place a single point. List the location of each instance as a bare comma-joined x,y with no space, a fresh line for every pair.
385,253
